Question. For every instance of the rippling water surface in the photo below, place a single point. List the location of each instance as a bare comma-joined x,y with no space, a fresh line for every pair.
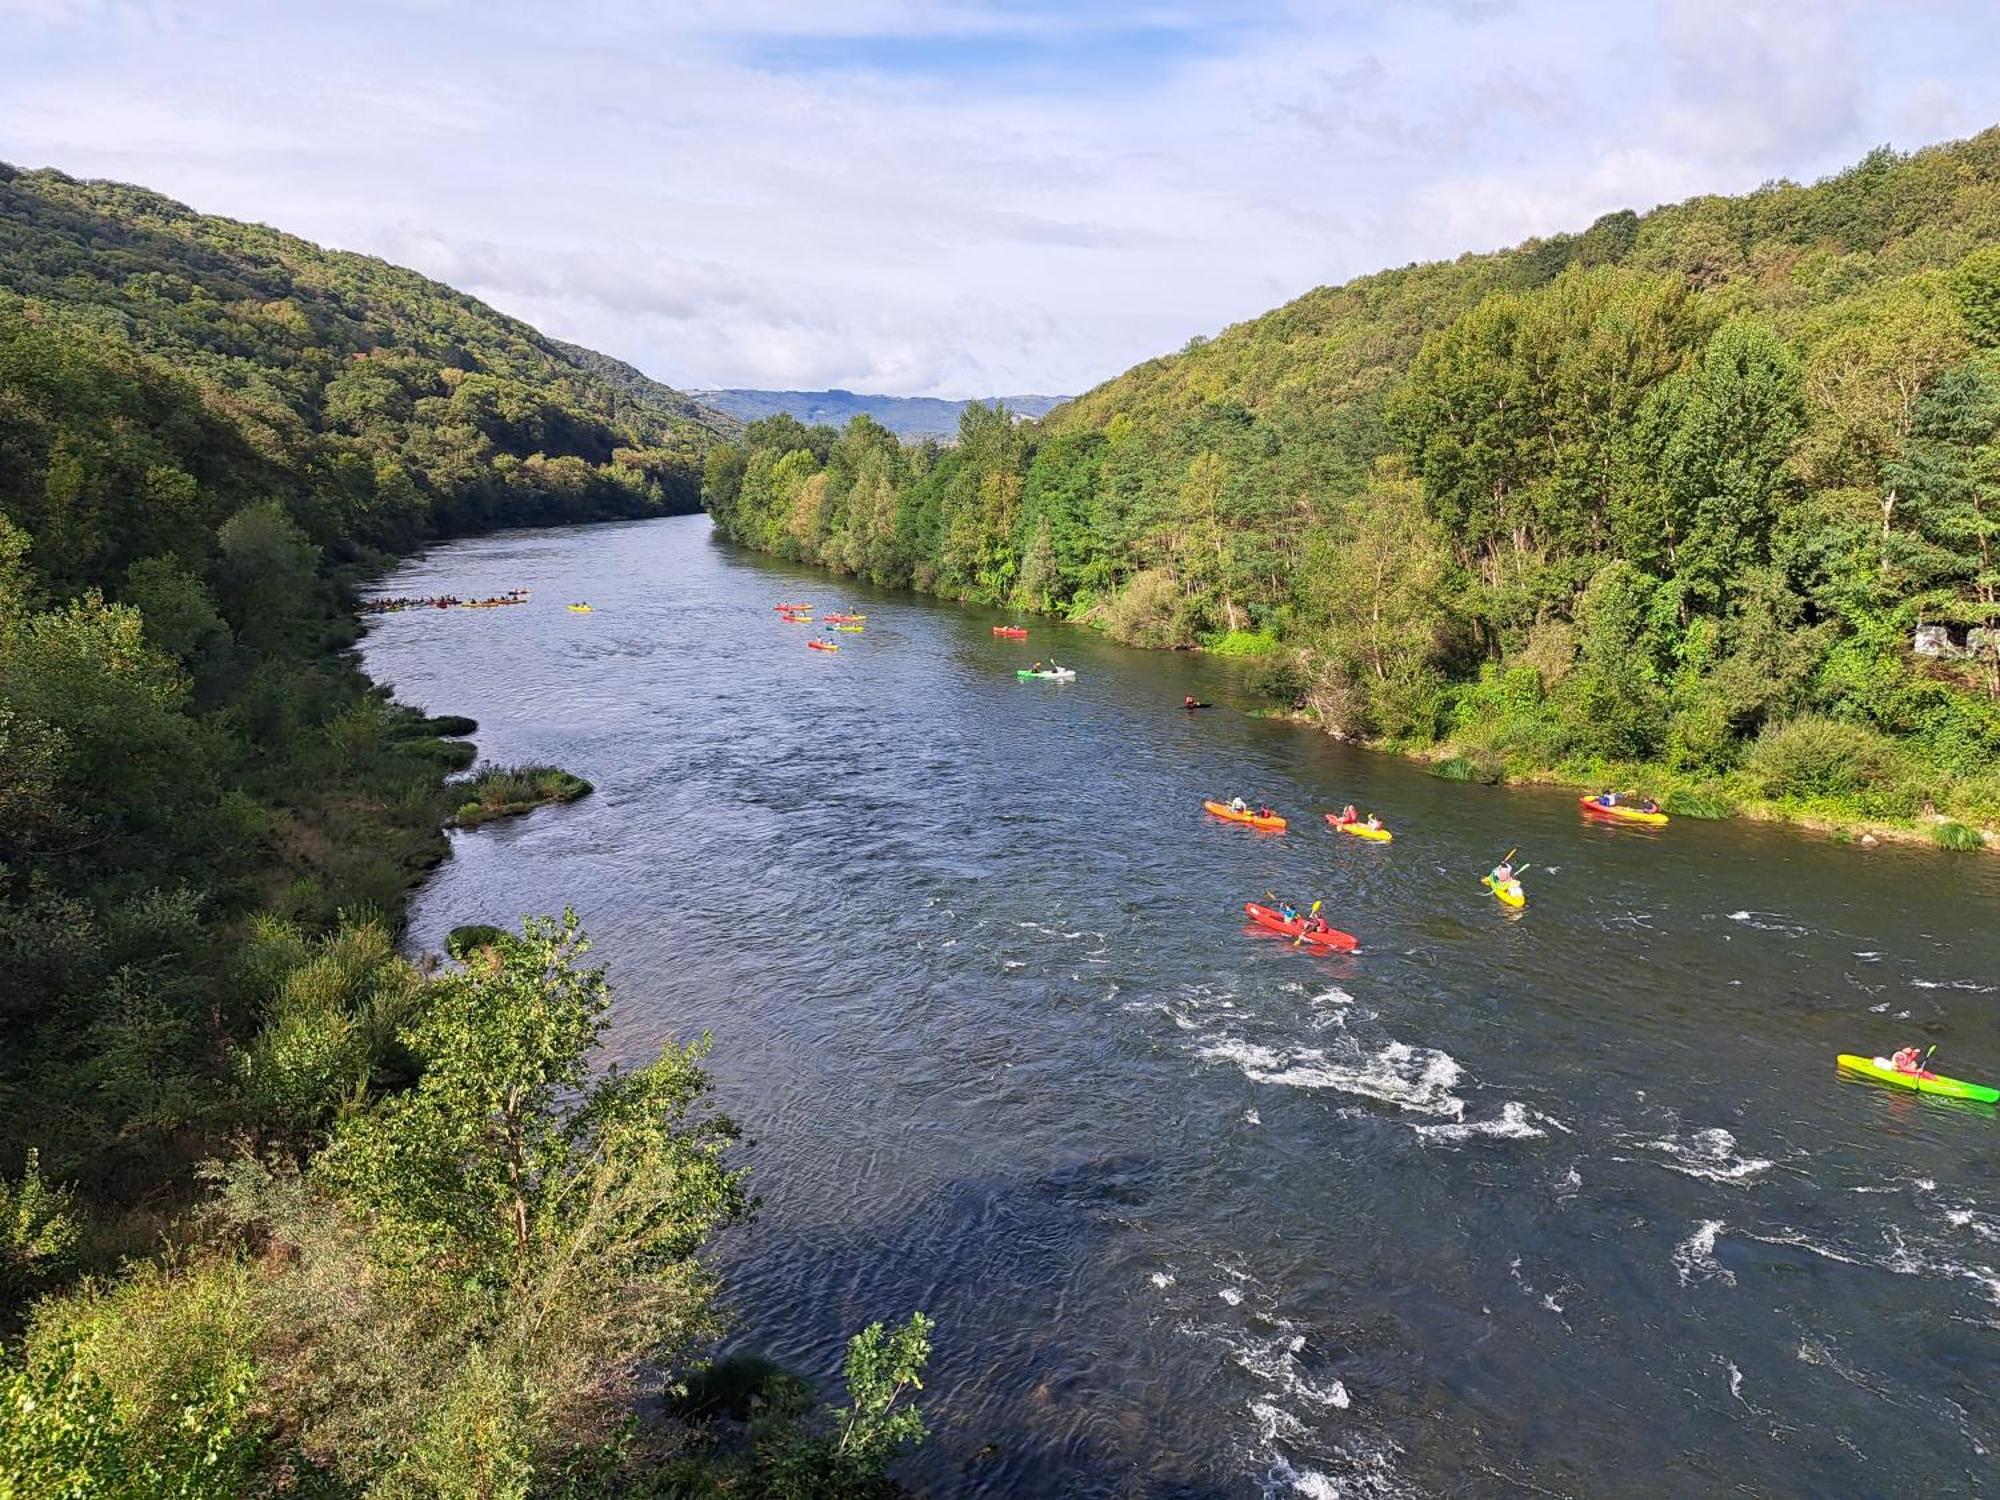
1572,1203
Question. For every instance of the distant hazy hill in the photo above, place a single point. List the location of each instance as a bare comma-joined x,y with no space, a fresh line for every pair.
906,416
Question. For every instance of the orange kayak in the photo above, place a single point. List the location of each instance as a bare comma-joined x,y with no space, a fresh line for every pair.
821,646
1331,940
1272,824
1012,632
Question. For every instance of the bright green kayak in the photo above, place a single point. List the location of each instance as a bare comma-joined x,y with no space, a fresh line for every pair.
1924,1083
1061,674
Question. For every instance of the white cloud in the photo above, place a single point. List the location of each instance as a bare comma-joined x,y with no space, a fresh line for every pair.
1000,195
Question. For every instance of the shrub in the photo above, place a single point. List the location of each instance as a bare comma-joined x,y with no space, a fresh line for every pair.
1695,803
1281,678
502,791
1480,766
1815,757
1151,611
471,936
1957,836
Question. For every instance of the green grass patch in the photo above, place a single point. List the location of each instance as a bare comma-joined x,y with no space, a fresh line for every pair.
505,791
1456,768
1957,836
1240,643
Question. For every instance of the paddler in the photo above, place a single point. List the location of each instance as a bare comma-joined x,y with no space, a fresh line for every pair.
1188,702
1348,814
1909,1060
1238,805
1374,823
1503,873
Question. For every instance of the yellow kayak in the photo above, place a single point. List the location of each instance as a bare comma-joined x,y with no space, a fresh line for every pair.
1363,831
854,629
1511,893
579,609
1622,814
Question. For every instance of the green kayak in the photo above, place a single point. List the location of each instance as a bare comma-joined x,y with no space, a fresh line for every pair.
1924,1083
1060,674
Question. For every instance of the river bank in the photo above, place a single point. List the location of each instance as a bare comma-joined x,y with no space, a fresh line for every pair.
1678,795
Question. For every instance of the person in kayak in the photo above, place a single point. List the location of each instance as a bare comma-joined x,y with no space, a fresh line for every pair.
1238,805
1348,814
1288,911
1036,667
1502,873
1374,822
1909,1060
1265,812
1188,702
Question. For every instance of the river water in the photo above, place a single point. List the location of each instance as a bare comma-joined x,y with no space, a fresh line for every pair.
1567,1202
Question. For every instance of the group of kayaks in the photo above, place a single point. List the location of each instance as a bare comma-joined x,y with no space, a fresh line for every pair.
802,614
1310,930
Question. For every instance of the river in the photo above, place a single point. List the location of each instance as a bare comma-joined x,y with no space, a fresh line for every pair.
1571,1201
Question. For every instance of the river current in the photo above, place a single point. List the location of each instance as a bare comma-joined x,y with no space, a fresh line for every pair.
1570,1201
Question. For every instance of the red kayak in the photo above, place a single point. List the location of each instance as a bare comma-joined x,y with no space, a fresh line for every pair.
1012,632
1330,941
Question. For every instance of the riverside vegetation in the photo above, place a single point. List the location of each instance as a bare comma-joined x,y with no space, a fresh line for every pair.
281,1210
1662,502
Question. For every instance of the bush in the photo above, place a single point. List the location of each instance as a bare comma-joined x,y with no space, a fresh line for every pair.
1151,611
1694,803
1480,766
1280,678
471,936
1817,758
503,791
1957,836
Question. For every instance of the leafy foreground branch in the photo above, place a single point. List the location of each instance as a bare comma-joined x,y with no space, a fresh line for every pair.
451,1259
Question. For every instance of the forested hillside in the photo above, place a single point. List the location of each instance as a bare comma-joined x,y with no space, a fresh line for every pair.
1667,497
282,1211
414,409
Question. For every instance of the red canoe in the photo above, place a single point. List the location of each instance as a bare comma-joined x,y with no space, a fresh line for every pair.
1332,940
1012,632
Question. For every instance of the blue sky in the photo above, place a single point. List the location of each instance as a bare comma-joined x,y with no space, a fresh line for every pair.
961,198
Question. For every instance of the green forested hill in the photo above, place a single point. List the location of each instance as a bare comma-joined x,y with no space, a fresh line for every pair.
1669,496
415,407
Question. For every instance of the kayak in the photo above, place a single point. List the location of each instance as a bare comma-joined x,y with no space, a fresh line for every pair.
821,646
845,619
1883,1071
1621,814
1061,674
578,609
855,629
1012,632
1272,824
1191,707
791,606
1332,940
1363,831
1510,893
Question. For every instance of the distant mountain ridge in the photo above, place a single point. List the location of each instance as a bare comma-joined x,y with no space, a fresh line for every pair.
906,416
